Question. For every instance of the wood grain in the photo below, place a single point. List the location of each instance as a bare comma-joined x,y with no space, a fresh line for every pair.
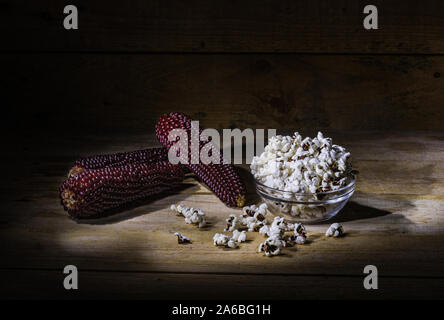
394,221
316,26
127,93
290,65
38,284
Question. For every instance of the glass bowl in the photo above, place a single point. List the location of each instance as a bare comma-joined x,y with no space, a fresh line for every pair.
306,207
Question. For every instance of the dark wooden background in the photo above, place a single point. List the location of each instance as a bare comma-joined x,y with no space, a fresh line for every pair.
280,64
285,64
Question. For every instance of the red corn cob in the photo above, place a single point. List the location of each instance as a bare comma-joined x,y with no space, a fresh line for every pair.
148,156
221,178
94,191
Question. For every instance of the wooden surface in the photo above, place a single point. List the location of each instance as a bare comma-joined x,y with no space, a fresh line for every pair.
247,64
307,65
315,26
103,93
394,221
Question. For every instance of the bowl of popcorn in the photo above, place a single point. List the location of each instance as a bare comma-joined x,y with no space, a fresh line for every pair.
304,179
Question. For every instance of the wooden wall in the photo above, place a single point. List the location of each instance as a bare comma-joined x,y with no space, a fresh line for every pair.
281,64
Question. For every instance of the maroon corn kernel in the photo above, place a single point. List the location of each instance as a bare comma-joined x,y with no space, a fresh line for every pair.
94,191
148,156
221,178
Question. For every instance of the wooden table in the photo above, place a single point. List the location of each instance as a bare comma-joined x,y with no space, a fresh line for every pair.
394,221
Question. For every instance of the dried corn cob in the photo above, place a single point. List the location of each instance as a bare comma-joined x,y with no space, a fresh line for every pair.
221,178
148,156
94,191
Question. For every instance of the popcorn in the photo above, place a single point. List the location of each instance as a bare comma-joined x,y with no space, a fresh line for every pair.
239,236
299,229
263,208
335,230
300,240
181,239
272,246
254,226
300,232
231,223
295,239
277,228
276,236
299,235
264,230
220,239
253,217
191,215
302,166
232,243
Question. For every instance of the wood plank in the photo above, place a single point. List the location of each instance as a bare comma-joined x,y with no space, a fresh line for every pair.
377,156
42,236
394,221
36,284
121,93
322,26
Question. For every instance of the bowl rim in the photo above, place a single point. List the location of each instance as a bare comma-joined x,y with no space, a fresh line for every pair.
347,186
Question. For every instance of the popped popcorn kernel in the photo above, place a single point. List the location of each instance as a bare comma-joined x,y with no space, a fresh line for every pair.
239,236
181,239
231,223
191,215
272,246
221,239
253,217
335,230
290,163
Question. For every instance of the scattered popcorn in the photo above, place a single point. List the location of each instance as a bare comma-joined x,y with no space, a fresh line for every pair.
254,226
220,239
300,239
232,243
277,228
253,217
191,215
271,247
293,239
231,223
302,165
264,230
335,230
276,236
299,235
299,229
181,238
239,236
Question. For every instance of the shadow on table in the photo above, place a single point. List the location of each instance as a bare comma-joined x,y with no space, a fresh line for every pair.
362,205
134,209
357,209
